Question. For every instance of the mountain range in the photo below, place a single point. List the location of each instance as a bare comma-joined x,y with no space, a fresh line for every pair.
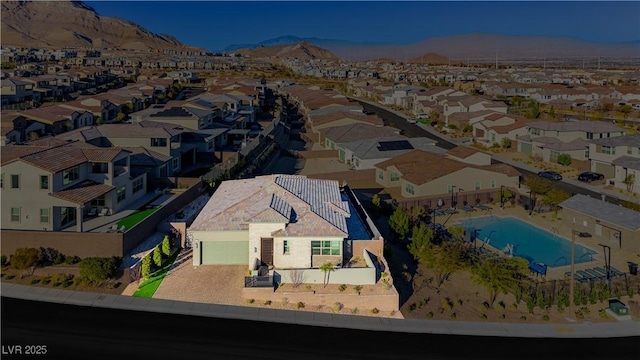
56,24
463,47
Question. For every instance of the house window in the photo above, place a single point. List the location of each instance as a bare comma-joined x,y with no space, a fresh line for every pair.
477,185
554,154
609,150
285,249
158,142
122,193
44,182
409,188
15,214
15,181
44,215
493,184
99,168
99,201
449,188
535,131
629,150
175,164
380,174
70,175
163,170
395,176
210,145
325,247
137,185
67,215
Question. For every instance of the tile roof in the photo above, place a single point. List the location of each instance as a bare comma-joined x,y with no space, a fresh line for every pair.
627,162
358,132
316,206
143,156
587,126
83,192
419,167
462,152
614,214
626,140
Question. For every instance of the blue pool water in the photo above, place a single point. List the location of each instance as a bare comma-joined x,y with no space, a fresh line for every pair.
358,230
527,241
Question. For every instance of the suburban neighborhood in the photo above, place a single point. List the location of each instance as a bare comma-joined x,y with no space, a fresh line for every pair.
464,192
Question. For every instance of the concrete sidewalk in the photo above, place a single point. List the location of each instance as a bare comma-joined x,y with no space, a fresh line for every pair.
577,330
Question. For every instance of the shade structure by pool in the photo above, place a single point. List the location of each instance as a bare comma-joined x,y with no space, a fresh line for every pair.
519,238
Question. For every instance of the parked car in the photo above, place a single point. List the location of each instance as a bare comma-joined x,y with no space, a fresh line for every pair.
590,176
551,175
411,120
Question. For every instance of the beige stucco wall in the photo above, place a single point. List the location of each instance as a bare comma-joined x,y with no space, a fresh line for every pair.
462,179
258,231
578,221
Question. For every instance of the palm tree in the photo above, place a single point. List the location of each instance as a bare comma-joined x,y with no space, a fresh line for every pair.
326,268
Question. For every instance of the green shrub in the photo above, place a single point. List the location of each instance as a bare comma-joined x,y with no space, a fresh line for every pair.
375,311
523,318
531,303
412,306
447,304
500,306
545,317
3,260
593,296
71,260
337,306
483,316
9,277
157,256
603,314
59,279
166,246
503,316
251,301
300,305
358,288
484,306
429,315
513,307
268,302
342,287
145,267
354,310
453,315
59,259
35,281
99,268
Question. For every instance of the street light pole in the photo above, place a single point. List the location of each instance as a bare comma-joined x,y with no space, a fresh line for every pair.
571,280
453,187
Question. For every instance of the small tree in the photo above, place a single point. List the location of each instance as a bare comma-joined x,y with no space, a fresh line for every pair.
375,200
554,197
166,245
326,268
417,213
505,143
157,256
146,266
120,117
499,274
630,181
399,222
25,259
564,159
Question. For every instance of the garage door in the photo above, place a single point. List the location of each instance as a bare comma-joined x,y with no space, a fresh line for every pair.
525,148
607,170
225,252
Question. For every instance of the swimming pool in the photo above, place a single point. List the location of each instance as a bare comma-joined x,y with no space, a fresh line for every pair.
356,226
526,241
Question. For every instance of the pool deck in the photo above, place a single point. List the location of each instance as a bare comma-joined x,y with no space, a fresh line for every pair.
619,257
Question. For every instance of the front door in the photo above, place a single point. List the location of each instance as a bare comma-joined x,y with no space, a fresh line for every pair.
266,251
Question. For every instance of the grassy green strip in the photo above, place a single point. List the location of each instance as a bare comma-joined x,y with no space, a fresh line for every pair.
139,215
150,285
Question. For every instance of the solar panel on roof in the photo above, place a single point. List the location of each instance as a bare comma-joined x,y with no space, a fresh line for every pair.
395,145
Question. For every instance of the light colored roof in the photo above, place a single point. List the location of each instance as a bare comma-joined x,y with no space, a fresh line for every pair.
308,207
626,140
370,149
587,126
357,132
627,162
613,214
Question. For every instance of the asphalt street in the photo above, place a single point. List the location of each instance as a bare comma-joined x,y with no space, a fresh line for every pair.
78,332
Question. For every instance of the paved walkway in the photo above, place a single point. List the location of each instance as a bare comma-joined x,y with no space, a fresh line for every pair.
577,330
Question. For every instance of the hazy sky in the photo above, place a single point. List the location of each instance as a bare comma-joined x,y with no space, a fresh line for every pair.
215,24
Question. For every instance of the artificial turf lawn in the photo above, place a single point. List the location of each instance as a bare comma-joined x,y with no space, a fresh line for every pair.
150,285
139,215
